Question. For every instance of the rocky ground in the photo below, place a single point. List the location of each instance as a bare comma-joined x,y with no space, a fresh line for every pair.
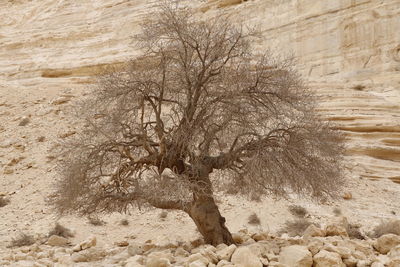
327,247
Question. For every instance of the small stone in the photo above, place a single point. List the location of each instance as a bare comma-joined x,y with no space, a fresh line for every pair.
245,258
122,243
296,255
226,253
24,121
198,257
88,255
135,249
77,248
260,236
197,263
57,241
325,258
88,243
158,262
313,231
386,242
347,196
336,230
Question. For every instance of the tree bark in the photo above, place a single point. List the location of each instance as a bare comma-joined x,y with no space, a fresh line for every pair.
209,221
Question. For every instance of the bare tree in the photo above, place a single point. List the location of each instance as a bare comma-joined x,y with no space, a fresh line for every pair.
197,100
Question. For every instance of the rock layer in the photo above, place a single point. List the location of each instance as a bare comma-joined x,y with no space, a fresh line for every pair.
350,49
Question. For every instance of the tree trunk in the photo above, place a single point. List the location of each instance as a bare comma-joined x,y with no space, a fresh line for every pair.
209,221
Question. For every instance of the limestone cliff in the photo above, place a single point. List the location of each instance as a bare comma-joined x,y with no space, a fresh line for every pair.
348,51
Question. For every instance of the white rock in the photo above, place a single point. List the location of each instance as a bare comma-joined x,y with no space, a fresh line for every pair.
394,252
223,263
325,258
197,263
245,258
386,242
88,243
296,255
88,255
313,231
135,249
198,257
226,253
158,262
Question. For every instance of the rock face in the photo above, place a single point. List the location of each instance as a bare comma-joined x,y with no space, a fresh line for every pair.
353,43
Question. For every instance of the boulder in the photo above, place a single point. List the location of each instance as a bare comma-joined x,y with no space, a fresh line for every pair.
226,253
245,258
57,241
325,258
296,255
386,242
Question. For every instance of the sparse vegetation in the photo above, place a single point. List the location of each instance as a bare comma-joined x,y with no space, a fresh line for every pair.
163,214
254,219
96,221
124,222
337,211
298,211
359,87
4,201
61,231
295,227
197,101
21,240
387,227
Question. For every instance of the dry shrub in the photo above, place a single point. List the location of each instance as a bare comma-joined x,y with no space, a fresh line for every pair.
96,221
295,228
359,87
254,219
21,240
388,227
354,231
163,214
4,201
298,211
124,222
337,211
61,231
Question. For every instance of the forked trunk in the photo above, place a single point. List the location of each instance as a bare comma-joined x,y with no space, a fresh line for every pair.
209,221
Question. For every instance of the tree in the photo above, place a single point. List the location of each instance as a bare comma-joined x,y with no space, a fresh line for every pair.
197,101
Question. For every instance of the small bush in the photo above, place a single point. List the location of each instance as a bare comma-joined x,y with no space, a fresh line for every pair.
22,240
96,221
297,211
4,201
388,227
337,211
295,228
124,222
163,214
61,231
253,219
354,231
359,87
